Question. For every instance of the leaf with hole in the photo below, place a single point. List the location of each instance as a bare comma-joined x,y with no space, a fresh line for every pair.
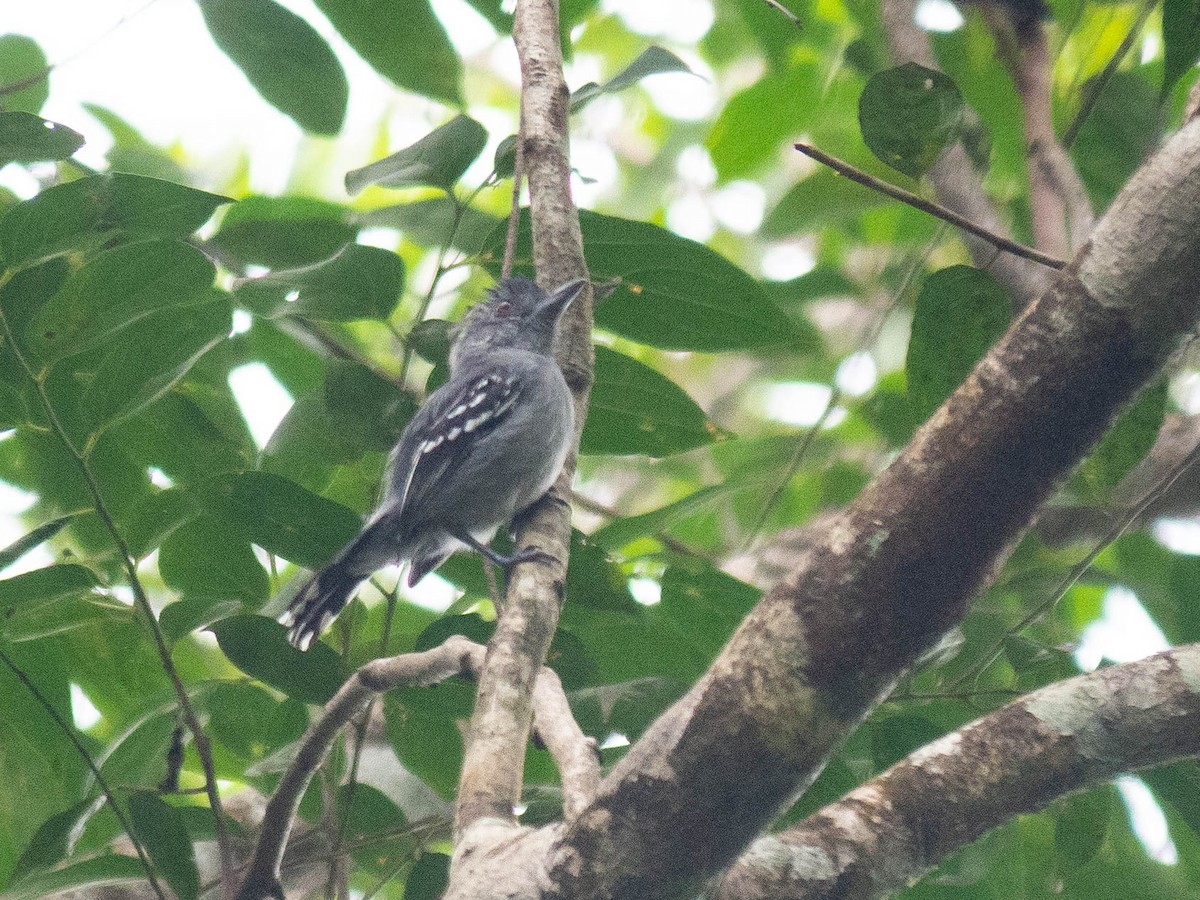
358,283
26,138
909,115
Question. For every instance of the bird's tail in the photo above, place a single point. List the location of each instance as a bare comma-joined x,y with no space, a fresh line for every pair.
321,598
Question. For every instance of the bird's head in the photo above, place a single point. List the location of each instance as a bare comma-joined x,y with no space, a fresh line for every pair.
516,314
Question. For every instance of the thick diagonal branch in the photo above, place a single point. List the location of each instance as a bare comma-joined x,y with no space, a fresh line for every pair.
1018,759
898,567
494,759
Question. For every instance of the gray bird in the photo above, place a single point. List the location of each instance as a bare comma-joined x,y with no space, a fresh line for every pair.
484,448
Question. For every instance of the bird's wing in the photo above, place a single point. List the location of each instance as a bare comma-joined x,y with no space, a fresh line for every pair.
444,434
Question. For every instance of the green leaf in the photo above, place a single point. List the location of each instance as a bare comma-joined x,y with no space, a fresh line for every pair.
823,199
43,585
634,409
252,722
1126,443
358,283
367,811
431,223
115,289
960,313
402,40
108,870
23,62
81,214
675,294
1181,40
178,620
366,408
438,159
909,115
422,726
25,137
654,60
1081,825
282,517
187,562
151,356
35,538
428,878
48,846
1123,127
285,59
259,647
430,339
619,532
159,827
756,122
283,232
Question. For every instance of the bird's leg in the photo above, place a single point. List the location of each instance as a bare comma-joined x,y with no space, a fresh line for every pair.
505,562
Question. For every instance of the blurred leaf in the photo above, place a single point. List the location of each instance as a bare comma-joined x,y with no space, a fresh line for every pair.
107,870
1081,825
402,40
151,356
259,647
1179,785
22,61
438,159
188,562
282,517
422,726
1126,443
25,137
180,619
49,843
366,407
430,339
283,232
428,878
430,222
285,59
674,294
115,289
654,60
35,538
960,313
43,585
160,829
634,409
130,152
358,283
706,603
367,811
154,518
753,127
1124,126
909,115
1181,40
251,721
823,199
496,16
619,532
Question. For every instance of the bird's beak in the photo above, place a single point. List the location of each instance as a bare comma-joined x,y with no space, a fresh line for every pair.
562,297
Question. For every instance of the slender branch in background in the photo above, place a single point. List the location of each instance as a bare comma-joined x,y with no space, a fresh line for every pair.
1132,514
672,544
1092,94
946,215
1059,208
780,8
142,601
66,729
865,342
514,212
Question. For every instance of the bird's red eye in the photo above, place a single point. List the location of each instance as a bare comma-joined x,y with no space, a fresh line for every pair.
504,309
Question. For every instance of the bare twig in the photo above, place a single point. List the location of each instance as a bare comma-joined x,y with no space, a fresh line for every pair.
142,601
783,10
934,209
67,730
411,669
514,212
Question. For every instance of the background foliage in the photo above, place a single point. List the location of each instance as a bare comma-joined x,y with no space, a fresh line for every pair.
776,333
